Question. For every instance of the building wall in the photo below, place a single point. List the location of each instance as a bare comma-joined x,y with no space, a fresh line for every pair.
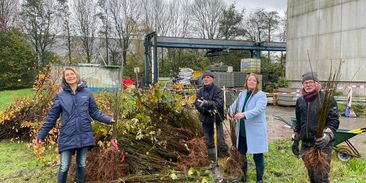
326,32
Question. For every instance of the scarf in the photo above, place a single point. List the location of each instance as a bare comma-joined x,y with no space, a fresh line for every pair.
309,96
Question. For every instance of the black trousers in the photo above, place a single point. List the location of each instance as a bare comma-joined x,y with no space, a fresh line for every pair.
258,159
208,132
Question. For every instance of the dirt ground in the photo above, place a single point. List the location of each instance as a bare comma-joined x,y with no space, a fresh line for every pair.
277,129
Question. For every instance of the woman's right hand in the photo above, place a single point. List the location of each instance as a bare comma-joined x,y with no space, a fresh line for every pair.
228,116
37,141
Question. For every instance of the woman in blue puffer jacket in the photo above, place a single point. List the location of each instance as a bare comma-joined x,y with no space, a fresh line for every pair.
78,109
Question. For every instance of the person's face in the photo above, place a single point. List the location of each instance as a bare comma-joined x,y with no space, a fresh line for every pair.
309,85
208,80
251,82
70,77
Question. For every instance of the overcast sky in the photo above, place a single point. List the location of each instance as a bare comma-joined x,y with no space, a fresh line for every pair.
250,5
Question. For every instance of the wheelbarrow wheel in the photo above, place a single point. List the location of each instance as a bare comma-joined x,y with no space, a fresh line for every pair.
344,154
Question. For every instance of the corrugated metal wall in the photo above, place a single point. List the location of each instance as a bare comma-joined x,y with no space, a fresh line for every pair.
330,31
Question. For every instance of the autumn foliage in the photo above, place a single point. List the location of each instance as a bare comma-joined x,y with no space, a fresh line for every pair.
154,129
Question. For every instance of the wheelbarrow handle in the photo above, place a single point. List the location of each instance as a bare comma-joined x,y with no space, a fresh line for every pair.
363,130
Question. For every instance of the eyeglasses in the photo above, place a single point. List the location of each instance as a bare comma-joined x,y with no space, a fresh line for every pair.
308,82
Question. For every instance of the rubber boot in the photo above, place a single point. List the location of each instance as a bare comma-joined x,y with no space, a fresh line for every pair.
212,157
260,172
244,169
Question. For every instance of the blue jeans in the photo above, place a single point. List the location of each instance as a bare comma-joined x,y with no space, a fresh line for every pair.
65,157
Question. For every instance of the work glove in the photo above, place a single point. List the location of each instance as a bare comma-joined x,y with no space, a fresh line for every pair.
206,103
295,144
324,140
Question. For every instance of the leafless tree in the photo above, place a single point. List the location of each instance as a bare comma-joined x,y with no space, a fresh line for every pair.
283,25
256,26
178,18
38,23
86,24
65,20
8,11
155,15
104,16
272,21
206,15
126,15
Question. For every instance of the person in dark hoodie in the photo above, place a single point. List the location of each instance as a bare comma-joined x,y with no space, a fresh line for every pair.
77,107
210,105
307,122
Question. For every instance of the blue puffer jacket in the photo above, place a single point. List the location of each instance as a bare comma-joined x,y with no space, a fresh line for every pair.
77,110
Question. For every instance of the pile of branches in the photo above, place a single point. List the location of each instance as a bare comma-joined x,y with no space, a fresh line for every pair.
22,119
154,133
153,129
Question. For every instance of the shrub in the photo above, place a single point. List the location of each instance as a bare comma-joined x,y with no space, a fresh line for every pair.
17,61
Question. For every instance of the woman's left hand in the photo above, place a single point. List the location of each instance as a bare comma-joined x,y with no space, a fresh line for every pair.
112,121
239,116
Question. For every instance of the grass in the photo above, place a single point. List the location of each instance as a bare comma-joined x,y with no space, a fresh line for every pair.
282,166
17,164
8,96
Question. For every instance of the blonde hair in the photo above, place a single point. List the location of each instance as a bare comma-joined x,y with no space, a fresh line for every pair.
246,82
73,70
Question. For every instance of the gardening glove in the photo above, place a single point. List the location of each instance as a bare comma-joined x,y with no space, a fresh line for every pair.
324,140
206,103
295,144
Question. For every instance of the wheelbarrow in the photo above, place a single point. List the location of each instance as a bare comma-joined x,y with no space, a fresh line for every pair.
344,152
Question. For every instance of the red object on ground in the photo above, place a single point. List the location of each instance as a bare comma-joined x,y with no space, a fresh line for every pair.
115,144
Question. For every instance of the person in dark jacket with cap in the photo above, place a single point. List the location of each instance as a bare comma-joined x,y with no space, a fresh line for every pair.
210,105
307,122
77,108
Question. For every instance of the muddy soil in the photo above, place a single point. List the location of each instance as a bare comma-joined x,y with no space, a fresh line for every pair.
277,130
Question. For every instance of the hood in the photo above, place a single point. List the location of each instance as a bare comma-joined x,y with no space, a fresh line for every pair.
81,85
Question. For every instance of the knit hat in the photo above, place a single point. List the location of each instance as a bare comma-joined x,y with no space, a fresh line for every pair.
310,76
208,74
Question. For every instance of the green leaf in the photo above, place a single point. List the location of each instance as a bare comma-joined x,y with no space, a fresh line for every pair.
173,176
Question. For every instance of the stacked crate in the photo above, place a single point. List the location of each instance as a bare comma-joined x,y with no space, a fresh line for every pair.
232,79
224,79
250,65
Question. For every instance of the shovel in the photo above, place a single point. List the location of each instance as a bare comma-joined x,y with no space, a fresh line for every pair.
217,175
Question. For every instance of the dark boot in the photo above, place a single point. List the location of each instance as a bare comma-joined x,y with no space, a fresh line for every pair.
260,172
80,174
244,169
211,152
212,157
259,166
